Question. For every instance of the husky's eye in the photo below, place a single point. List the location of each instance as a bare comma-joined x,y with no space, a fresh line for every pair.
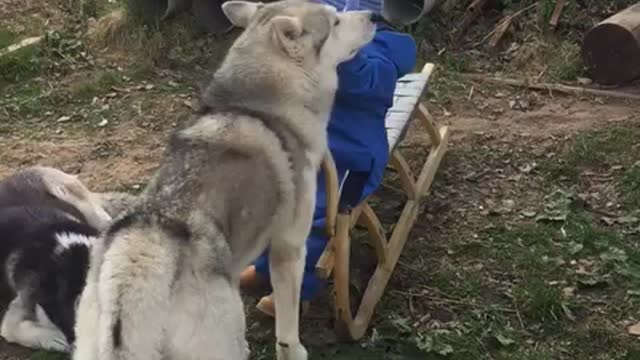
337,22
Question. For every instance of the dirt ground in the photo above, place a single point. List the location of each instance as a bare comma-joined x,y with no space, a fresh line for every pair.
526,247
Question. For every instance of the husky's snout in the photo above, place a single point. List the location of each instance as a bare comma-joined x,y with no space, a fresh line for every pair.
358,30
366,17
361,20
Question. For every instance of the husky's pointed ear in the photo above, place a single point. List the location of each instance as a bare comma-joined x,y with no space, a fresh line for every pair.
287,28
240,12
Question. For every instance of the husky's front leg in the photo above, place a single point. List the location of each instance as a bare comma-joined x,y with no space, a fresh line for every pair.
286,260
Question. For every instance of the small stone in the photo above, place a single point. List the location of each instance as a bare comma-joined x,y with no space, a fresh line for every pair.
584,81
569,292
527,168
509,204
188,104
62,119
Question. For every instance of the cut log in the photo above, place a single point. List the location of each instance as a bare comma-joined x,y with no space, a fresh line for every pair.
611,49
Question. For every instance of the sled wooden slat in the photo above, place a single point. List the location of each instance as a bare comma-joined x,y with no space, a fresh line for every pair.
336,257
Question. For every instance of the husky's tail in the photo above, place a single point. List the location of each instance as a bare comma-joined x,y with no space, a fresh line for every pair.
126,309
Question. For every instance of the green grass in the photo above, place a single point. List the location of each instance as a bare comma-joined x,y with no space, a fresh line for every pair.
446,86
56,53
565,63
19,65
517,297
539,302
545,10
6,38
101,83
603,147
32,98
629,187
598,149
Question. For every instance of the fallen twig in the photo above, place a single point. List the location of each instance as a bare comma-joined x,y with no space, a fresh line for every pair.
423,319
24,43
555,17
443,300
518,314
541,74
574,90
498,32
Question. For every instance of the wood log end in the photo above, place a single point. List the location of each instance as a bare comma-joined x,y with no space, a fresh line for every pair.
611,54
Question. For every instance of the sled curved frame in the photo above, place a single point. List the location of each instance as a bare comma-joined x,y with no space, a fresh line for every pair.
335,259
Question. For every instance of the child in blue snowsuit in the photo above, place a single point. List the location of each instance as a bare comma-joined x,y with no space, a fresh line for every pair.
357,135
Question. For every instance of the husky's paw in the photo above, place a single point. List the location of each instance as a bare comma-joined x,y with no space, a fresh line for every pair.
56,343
291,351
32,336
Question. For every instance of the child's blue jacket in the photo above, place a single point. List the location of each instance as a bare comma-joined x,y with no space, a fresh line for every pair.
357,136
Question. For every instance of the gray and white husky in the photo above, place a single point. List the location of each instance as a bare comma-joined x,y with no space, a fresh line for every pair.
163,281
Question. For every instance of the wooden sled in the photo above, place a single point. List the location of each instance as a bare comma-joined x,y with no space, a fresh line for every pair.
340,221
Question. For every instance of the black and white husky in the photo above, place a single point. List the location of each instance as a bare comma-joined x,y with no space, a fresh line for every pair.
46,256
48,222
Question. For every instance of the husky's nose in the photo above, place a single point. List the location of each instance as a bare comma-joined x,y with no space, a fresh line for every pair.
375,17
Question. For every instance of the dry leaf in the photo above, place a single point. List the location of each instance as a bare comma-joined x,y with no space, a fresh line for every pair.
634,329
